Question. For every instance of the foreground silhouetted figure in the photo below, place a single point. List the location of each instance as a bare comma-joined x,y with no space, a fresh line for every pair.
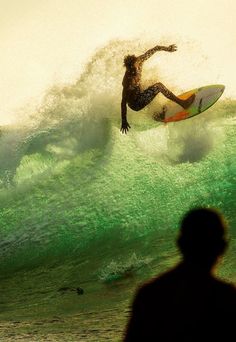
188,303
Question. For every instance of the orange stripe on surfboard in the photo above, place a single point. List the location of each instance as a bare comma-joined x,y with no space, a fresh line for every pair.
185,96
183,114
179,116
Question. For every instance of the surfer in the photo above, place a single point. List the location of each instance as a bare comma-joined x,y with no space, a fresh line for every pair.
134,96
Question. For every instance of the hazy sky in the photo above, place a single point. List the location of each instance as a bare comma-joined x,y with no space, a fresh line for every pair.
48,41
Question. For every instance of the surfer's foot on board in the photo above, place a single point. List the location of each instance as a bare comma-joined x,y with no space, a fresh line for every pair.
186,103
160,116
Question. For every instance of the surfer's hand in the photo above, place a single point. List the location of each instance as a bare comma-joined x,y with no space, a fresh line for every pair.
172,48
124,127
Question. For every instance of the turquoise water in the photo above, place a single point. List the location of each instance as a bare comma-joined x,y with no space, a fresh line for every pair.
83,205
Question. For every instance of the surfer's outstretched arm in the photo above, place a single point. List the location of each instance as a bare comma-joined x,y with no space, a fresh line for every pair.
149,53
124,123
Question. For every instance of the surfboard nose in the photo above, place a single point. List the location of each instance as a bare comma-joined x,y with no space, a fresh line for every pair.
221,87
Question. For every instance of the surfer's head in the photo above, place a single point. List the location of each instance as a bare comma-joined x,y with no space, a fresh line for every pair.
202,237
129,61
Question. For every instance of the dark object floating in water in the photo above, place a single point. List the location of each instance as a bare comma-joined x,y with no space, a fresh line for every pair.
80,291
63,290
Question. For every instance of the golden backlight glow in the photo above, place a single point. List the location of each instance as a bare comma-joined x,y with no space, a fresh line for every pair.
48,41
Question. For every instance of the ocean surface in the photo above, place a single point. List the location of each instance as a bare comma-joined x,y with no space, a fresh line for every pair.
84,206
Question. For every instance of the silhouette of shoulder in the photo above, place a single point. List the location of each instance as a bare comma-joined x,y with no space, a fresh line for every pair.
189,287
179,302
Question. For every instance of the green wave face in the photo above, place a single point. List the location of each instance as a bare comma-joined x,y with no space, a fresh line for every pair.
83,205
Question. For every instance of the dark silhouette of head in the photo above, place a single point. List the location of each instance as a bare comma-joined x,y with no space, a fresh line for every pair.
202,237
129,61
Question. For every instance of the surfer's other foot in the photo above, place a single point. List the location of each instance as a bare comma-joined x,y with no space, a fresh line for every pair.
160,116
188,102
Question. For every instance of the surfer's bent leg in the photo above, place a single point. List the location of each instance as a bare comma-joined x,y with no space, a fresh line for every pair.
160,88
152,91
142,99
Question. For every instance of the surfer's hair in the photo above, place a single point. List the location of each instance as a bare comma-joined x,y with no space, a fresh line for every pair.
129,61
